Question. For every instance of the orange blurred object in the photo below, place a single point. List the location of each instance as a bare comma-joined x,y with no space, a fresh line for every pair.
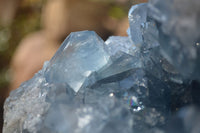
8,9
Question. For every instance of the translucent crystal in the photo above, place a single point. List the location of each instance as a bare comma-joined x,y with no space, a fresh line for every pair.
80,54
120,64
137,17
115,44
149,35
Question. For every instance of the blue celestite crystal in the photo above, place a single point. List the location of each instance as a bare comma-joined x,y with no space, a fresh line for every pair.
124,63
137,17
80,54
115,44
142,83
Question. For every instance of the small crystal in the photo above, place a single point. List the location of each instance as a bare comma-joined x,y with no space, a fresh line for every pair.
115,44
137,16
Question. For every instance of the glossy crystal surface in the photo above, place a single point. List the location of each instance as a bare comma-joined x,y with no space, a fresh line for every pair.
80,54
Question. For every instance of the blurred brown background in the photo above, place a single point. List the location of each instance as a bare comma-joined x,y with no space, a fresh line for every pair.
32,30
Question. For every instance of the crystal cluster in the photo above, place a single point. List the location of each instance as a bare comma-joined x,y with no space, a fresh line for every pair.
147,82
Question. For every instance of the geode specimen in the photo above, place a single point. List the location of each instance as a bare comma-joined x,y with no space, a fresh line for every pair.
136,84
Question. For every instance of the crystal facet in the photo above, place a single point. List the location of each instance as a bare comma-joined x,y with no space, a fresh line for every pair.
137,17
80,54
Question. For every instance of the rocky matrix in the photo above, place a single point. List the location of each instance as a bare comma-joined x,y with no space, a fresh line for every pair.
148,82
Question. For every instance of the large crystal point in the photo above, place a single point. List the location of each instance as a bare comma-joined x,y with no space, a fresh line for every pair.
80,54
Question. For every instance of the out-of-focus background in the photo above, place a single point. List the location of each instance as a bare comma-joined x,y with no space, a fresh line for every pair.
32,30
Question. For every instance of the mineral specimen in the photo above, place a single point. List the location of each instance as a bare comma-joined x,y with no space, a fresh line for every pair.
125,85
